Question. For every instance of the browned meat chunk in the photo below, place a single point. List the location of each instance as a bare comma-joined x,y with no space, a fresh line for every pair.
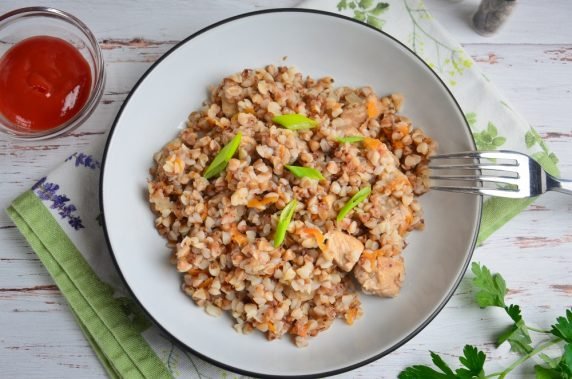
344,248
380,275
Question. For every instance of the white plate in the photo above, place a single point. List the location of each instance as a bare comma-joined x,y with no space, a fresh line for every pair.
317,44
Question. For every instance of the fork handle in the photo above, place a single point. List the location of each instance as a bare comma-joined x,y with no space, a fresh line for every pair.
560,185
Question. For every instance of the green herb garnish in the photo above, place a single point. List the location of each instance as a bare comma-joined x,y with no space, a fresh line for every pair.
224,155
295,121
350,139
491,292
360,196
305,172
284,221
492,288
473,361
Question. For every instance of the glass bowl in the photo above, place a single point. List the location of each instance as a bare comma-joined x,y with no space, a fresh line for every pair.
23,23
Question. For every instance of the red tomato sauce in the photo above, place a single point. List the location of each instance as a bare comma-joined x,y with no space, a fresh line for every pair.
44,81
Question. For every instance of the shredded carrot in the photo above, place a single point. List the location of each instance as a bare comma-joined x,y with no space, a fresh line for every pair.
261,204
318,236
371,256
372,108
351,315
397,182
371,143
405,226
237,237
249,110
212,121
206,282
271,327
204,213
403,129
302,331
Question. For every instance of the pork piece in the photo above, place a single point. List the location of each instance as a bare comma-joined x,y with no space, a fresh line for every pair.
354,115
380,275
344,248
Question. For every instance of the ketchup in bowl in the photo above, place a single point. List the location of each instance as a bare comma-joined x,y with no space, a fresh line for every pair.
44,82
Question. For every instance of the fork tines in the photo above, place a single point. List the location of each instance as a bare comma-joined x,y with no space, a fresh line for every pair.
477,172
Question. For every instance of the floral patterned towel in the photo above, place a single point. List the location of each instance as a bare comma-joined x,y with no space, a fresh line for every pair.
60,217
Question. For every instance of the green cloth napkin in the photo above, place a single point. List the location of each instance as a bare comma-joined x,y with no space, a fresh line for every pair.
59,216
107,325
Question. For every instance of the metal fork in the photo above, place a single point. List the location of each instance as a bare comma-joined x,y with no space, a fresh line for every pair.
494,173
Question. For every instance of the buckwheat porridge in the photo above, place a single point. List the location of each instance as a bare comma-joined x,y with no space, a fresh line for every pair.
283,188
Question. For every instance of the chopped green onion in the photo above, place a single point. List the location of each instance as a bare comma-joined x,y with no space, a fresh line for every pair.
283,222
305,172
360,196
295,121
350,139
224,155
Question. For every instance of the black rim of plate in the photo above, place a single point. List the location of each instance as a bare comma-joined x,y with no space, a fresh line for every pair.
174,338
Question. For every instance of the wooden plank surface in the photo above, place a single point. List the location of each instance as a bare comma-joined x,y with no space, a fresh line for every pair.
530,61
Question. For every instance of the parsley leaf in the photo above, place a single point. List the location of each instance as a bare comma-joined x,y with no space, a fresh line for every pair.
492,288
565,365
422,372
563,327
473,361
514,312
551,362
546,373
518,338
517,334
562,371
491,292
439,362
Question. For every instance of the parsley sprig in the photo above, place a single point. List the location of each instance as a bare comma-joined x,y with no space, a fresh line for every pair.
491,292
472,361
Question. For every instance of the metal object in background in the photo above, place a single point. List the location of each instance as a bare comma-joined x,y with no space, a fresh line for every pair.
491,15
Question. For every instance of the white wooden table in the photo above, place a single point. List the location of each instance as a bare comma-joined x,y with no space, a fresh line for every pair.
531,62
